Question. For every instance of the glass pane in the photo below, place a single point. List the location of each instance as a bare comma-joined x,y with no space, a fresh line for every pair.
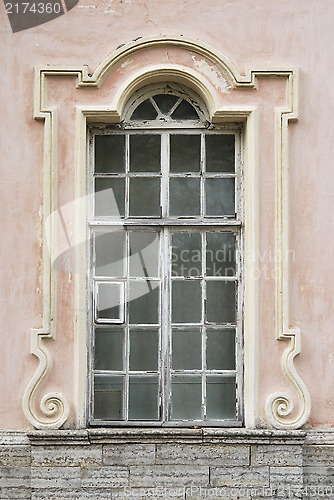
109,253
220,254
144,349
220,301
220,153
144,254
186,301
186,254
221,397
220,349
144,301
220,197
185,153
143,398
145,111
184,196
110,302
187,349
185,111
109,348
144,153
186,398
108,397
165,102
109,197
109,153
145,197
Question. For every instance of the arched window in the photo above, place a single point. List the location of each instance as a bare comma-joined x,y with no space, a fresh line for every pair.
166,264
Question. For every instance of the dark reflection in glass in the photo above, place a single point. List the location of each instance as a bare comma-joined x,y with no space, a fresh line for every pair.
165,102
220,303
186,301
109,253
220,254
144,197
108,397
186,254
144,348
109,345
186,398
110,154
184,196
220,197
185,111
143,398
220,153
145,153
144,254
110,197
144,302
220,349
145,111
221,398
185,153
187,349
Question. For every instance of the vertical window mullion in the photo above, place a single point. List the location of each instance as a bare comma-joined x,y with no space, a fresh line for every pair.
165,281
203,329
203,375
239,346
238,178
239,270
202,176
164,174
165,323
126,330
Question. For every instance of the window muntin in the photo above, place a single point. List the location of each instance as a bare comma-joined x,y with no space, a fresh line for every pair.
167,232
184,187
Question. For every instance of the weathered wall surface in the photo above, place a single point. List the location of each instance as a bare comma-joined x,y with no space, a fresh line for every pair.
184,465
250,34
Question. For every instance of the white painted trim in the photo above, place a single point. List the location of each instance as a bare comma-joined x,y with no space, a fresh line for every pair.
251,301
54,408
279,406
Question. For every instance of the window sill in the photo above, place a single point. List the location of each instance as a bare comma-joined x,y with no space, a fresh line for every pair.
163,435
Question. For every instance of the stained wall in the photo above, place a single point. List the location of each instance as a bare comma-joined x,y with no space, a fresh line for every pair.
251,35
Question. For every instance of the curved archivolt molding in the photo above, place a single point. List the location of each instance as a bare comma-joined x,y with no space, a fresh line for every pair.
234,78
279,406
163,73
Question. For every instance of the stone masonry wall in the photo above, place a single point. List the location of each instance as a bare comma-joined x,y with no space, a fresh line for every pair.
188,464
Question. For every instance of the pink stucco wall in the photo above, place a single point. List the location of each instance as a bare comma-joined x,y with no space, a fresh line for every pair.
289,33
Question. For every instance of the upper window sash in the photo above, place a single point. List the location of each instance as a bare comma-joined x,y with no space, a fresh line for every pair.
192,181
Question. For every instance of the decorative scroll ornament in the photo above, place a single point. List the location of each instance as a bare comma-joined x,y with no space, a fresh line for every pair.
54,408
279,407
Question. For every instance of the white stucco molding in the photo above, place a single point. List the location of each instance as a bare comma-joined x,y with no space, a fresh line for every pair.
54,408
279,406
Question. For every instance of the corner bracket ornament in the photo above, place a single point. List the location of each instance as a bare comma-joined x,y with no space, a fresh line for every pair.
279,406
53,406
